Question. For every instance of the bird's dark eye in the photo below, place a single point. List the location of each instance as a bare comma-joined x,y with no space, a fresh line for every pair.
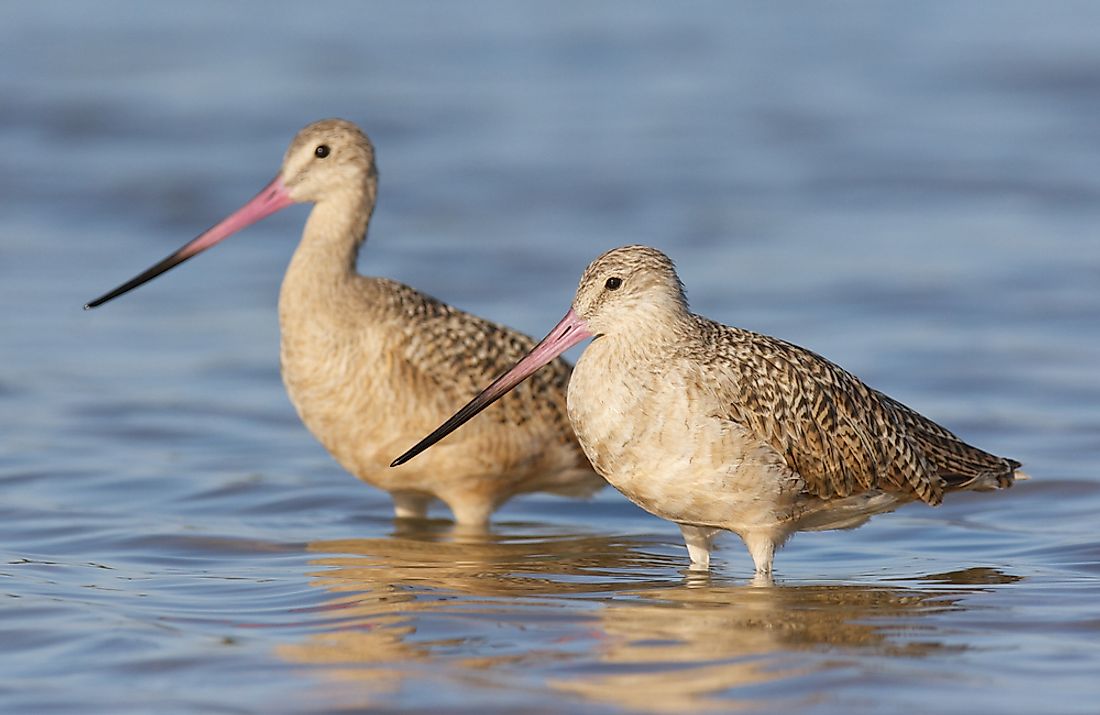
322,151
613,283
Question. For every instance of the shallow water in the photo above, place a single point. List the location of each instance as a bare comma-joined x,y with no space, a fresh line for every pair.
909,189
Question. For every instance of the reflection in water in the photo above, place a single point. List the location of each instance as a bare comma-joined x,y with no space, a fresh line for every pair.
398,601
595,617
682,649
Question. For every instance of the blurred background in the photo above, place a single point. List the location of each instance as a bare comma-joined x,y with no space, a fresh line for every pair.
911,189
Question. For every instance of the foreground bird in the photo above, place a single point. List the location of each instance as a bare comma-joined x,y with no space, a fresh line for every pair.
371,364
718,428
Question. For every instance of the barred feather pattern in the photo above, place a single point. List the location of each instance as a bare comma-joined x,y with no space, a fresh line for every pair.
456,353
841,437
371,364
838,434
718,428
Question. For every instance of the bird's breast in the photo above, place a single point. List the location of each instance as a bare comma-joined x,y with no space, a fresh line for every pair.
604,406
335,373
655,434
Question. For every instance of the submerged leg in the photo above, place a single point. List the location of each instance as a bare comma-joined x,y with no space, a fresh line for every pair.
698,540
470,512
410,505
762,549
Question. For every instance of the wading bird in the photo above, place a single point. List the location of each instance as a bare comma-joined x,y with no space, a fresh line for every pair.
717,428
371,364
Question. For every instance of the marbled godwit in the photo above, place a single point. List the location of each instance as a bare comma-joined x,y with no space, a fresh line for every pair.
371,364
718,428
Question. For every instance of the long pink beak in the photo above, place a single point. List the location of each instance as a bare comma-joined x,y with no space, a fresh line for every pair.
272,198
570,331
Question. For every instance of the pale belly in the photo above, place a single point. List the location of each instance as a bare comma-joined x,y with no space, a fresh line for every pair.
367,410
335,407
368,387
653,436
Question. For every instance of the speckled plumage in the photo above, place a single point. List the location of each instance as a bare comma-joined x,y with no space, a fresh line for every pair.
370,363
715,427
841,436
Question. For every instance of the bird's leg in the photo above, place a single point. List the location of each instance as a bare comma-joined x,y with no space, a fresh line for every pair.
762,549
762,579
410,505
470,513
698,540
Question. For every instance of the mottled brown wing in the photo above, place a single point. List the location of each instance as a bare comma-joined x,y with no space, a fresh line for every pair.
957,462
830,428
460,353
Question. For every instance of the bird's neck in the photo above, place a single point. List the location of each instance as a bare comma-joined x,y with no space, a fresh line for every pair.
652,330
323,265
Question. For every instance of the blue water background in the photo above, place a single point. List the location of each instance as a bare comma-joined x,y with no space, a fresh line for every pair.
911,189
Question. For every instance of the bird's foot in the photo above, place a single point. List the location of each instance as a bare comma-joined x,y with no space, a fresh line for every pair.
410,505
698,540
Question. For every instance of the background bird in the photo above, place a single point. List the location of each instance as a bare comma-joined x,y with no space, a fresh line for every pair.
717,428
370,363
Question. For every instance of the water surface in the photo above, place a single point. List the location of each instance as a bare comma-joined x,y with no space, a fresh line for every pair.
909,189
